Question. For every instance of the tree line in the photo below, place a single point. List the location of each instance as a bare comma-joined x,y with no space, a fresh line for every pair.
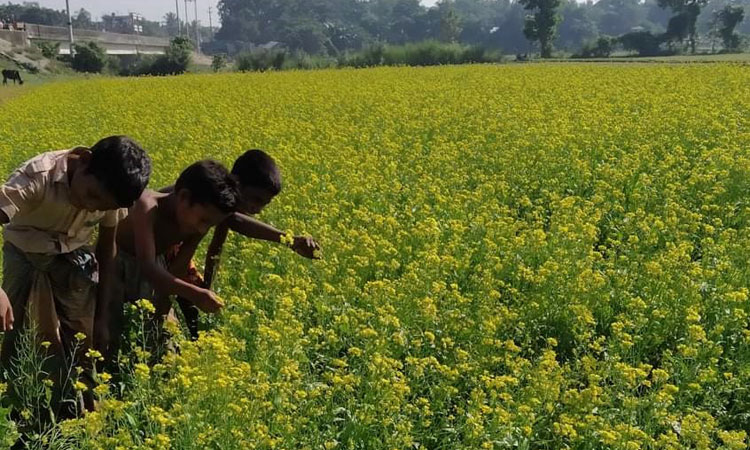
336,27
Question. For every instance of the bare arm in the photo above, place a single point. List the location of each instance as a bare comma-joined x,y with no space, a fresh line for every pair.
6,310
253,228
164,282
181,263
214,253
106,251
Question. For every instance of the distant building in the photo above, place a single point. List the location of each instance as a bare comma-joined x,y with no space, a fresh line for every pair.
128,24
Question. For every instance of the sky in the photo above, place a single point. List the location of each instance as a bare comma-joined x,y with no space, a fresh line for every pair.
151,9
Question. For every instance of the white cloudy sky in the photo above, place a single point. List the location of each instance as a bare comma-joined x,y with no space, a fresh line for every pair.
151,9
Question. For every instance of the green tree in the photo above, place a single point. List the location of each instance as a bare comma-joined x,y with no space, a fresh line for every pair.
678,28
541,25
618,17
450,22
683,23
178,55
83,20
171,24
576,26
727,19
33,14
89,57
643,42
219,62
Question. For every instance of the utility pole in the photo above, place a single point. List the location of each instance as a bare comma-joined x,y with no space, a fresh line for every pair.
210,23
70,28
197,29
187,22
177,8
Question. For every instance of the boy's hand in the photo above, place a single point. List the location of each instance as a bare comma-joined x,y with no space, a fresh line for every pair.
6,312
306,246
207,301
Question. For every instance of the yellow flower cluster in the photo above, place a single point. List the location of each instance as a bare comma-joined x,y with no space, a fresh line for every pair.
536,256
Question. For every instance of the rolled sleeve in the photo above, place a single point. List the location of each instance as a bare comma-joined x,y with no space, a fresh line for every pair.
22,191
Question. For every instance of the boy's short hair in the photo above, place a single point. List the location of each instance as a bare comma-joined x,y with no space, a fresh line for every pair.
209,183
122,167
256,168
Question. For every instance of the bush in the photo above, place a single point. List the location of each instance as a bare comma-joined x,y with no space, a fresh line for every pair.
427,53
89,57
219,62
602,48
369,57
177,58
175,61
260,60
303,61
50,50
643,42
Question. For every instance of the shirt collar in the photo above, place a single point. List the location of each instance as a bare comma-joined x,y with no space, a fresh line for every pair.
60,170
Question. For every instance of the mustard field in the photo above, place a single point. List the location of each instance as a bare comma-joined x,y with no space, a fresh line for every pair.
520,256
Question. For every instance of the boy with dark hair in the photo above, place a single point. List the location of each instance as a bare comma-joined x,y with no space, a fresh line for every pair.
205,194
259,181
51,205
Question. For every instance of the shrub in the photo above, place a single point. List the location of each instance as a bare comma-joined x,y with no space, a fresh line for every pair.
602,48
219,62
49,50
260,60
89,57
174,62
427,53
643,42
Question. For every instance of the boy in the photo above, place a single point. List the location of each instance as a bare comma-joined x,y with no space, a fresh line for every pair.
205,194
259,181
51,205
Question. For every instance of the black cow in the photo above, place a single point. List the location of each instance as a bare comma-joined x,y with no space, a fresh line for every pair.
9,74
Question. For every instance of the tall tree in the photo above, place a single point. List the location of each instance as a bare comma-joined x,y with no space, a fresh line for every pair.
577,27
83,20
727,19
171,24
618,17
683,23
450,22
541,25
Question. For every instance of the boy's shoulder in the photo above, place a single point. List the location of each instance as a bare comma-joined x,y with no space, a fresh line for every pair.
47,162
148,202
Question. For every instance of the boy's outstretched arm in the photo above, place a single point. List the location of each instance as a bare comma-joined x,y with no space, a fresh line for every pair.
163,281
253,228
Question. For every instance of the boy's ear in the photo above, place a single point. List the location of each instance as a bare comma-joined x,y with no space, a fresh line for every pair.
183,195
85,157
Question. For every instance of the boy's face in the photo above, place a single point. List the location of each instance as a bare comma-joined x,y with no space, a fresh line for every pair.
196,218
87,192
253,200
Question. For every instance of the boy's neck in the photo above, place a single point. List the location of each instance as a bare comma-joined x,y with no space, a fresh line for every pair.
72,166
167,206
